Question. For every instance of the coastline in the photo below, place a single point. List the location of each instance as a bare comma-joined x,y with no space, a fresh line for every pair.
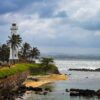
11,79
43,80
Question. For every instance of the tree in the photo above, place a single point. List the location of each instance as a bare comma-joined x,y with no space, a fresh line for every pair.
46,62
4,52
14,41
34,53
25,50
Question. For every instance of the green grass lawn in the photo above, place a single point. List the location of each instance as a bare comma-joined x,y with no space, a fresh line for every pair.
6,71
34,68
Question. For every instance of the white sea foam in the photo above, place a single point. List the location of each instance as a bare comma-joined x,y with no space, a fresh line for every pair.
66,64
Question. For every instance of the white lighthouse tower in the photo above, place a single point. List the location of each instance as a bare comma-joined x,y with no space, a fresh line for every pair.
13,51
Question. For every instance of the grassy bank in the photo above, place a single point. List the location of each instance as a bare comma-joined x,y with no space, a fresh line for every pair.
6,71
35,69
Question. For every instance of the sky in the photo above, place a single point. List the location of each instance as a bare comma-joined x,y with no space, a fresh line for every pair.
54,26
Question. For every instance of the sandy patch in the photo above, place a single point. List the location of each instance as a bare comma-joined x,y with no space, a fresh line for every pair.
42,80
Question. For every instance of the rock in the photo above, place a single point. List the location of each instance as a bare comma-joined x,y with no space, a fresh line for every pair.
38,89
48,89
81,92
98,92
74,89
74,93
34,89
85,69
87,92
30,88
67,90
45,93
22,89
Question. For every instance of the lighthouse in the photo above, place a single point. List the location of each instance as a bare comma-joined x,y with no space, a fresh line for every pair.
13,51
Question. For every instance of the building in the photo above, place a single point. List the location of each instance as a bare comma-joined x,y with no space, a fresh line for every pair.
13,51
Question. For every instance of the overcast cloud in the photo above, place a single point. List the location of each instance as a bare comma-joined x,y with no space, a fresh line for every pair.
54,25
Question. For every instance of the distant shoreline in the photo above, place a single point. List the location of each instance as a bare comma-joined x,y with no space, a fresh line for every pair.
75,57
81,59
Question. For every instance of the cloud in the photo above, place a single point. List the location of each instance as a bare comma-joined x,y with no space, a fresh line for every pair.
9,6
53,23
84,14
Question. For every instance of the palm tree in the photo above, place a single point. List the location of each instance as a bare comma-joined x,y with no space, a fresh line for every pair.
34,53
14,41
46,62
25,50
4,52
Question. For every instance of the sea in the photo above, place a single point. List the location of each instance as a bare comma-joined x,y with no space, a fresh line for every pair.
77,79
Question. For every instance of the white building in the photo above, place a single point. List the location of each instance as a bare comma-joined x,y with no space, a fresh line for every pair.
13,51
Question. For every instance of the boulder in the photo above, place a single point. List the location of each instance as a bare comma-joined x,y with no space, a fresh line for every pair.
67,90
34,89
98,92
82,92
48,89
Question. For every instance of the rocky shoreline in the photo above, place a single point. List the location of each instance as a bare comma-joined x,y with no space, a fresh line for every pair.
11,87
45,91
84,69
83,92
